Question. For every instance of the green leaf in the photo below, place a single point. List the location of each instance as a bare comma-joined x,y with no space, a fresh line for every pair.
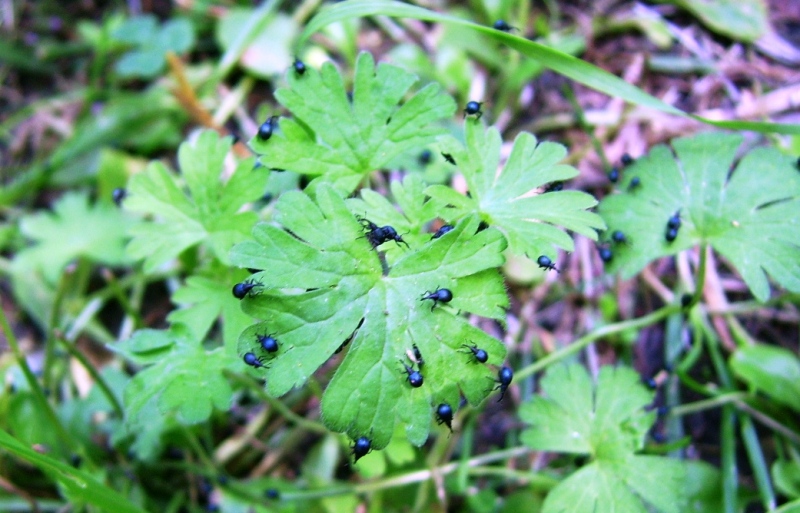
324,282
567,65
174,381
145,346
772,370
206,297
73,229
751,217
608,422
137,30
786,474
703,483
208,214
743,20
416,213
343,140
270,51
77,483
151,44
512,200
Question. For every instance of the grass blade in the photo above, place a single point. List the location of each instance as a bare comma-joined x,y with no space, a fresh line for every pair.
79,484
567,65
757,462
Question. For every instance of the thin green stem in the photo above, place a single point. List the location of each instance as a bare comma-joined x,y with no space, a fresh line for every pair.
745,307
707,404
467,442
52,324
603,331
702,328
537,481
729,472
198,449
36,389
255,25
409,478
769,422
98,379
789,507
757,462
700,278
691,383
436,454
118,292
569,93
277,404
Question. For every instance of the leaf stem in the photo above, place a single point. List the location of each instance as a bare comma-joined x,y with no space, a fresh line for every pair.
707,404
537,481
728,466
569,93
769,422
601,332
419,476
757,463
254,26
700,278
277,404
98,379
746,307
52,323
200,451
36,388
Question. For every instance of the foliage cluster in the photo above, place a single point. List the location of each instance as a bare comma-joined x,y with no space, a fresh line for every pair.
339,270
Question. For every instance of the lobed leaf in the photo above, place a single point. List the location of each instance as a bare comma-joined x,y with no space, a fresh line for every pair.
344,139
607,421
73,229
174,381
751,215
324,283
151,43
208,213
509,200
204,298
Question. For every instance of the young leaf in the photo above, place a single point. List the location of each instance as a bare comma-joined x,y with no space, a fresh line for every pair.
151,44
73,229
607,422
208,214
344,139
772,370
751,217
173,382
509,200
743,20
207,296
409,224
334,288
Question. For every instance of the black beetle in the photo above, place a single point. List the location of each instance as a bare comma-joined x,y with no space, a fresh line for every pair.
546,264
245,288
479,354
438,295
444,415
361,447
473,108
504,377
